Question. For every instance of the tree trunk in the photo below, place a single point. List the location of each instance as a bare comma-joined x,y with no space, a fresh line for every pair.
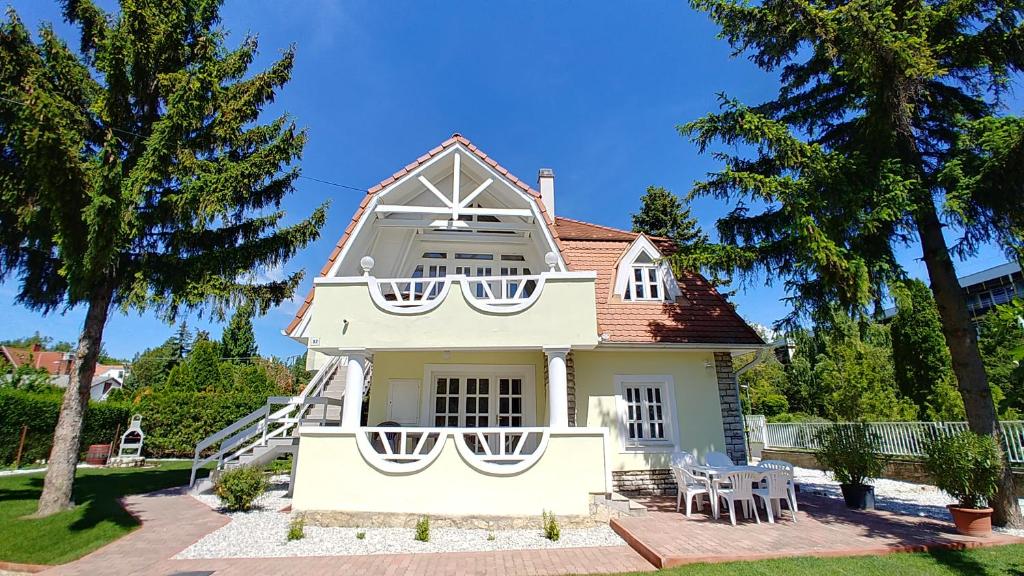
962,341
67,438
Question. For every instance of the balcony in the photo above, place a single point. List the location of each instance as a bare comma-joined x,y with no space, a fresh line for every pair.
457,311
482,472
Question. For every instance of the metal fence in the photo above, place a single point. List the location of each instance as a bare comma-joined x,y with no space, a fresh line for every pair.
895,438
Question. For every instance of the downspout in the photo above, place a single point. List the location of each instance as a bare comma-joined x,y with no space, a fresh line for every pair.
760,357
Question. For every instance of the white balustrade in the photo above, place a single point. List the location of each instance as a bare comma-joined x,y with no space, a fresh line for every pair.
490,293
498,451
894,438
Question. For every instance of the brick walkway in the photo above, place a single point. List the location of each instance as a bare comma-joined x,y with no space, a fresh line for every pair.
173,520
824,527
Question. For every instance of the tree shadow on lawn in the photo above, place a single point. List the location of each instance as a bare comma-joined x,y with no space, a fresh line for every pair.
97,493
962,563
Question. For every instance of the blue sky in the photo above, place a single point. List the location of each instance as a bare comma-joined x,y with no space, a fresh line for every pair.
593,90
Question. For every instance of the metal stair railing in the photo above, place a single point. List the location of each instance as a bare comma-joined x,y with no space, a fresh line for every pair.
257,423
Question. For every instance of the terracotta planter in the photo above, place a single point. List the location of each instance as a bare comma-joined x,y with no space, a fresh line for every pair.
972,521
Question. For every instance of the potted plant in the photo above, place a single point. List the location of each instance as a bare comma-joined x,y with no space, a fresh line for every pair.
850,453
966,466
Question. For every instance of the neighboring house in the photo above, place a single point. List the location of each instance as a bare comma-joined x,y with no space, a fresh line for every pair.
101,387
521,360
987,289
992,287
60,366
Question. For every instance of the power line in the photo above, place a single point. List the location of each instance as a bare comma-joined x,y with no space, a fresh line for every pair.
136,135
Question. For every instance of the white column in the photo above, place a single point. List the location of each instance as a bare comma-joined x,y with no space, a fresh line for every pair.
558,388
355,376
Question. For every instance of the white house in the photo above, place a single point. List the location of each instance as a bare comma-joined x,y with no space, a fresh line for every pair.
505,359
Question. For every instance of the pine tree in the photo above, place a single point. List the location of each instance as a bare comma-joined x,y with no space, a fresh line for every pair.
181,341
885,108
661,214
920,357
136,173
238,343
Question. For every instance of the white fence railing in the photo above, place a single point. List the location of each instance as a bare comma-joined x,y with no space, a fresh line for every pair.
895,438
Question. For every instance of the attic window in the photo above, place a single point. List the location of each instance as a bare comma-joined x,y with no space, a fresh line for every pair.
644,283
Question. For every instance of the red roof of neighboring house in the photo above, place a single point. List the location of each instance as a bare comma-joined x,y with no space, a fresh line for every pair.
701,316
52,361
455,139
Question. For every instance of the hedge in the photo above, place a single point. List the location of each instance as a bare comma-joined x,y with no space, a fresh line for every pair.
39,412
175,421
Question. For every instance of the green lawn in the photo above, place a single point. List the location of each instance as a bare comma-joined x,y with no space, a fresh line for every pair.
995,561
97,520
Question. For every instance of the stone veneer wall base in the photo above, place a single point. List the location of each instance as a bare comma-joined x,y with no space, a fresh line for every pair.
732,418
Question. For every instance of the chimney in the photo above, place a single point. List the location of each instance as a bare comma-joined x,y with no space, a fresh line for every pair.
546,183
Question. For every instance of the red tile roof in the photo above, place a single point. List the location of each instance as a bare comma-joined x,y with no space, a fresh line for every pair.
49,360
701,316
455,139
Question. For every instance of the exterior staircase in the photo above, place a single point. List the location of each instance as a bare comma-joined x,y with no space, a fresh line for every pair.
272,429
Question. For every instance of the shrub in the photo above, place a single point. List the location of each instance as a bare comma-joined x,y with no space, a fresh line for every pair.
551,530
423,529
39,412
490,536
239,488
965,466
297,529
850,452
360,535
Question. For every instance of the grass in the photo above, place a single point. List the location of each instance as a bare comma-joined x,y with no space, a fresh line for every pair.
97,519
994,561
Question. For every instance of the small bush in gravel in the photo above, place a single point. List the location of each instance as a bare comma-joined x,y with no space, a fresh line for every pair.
490,536
239,488
360,535
296,530
423,529
551,530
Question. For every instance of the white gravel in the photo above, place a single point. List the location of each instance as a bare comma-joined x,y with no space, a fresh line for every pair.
262,533
891,495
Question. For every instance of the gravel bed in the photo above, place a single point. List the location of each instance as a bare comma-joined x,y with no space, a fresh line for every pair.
891,495
262,533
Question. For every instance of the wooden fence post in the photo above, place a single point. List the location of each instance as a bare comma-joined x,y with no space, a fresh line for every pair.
21,446
113,443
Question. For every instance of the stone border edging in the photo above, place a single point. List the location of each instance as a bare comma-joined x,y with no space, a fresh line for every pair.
30,568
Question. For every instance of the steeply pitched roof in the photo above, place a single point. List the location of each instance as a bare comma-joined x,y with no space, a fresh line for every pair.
701,316
455,139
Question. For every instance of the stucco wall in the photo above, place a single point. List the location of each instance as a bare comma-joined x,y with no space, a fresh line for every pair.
332,474
389,366
345,316
698,410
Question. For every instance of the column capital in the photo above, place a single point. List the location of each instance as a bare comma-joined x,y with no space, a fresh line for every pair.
556,350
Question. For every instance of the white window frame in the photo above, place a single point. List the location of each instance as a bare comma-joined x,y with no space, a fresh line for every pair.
624,279
525,372
668,394
646,282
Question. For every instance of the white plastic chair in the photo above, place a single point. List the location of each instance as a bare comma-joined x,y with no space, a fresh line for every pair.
776,492
741,489
788,468
690,486
718,459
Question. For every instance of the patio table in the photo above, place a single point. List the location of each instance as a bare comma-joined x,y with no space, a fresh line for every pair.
714,472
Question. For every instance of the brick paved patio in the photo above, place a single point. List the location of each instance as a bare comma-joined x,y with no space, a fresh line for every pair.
173,520
824,527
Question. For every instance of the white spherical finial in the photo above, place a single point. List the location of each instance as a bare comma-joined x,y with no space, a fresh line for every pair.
551,259
366,263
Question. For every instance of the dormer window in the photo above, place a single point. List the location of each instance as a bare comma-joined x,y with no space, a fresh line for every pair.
643,275
646,283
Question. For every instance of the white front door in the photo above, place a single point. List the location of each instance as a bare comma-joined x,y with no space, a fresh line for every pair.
404,402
